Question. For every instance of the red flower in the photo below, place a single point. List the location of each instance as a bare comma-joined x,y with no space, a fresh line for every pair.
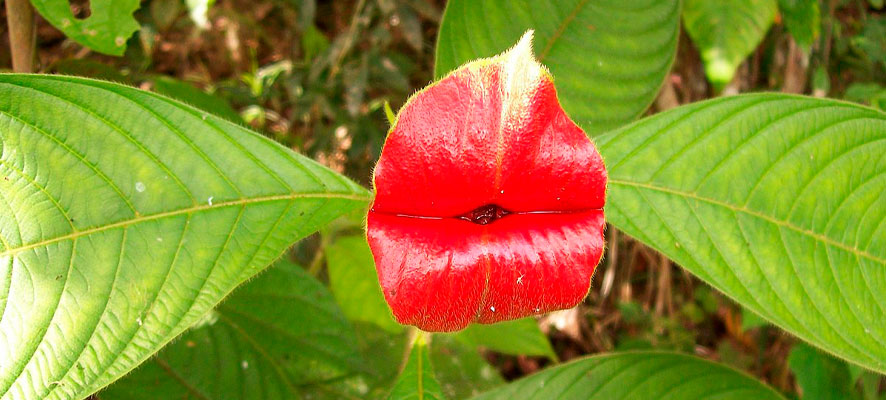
489,199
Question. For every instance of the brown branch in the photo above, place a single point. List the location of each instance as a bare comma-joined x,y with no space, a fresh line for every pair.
22,34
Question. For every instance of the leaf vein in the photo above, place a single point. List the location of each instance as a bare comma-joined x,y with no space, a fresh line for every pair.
197,208
757,214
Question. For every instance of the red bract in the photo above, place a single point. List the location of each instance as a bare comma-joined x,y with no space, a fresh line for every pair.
489,199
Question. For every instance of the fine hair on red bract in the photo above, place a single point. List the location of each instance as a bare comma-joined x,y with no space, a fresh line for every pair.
489,199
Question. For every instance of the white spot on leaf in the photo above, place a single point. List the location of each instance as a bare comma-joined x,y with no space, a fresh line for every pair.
140,187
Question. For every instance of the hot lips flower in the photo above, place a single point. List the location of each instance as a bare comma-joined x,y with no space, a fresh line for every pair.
489,199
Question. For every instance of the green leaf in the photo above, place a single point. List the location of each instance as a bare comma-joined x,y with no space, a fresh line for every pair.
725,32
275,334
417,380
389,114
636,375
776,200
106,30
608,57
803,20
124,217
462,371
355,284
515,337
187,93
820,376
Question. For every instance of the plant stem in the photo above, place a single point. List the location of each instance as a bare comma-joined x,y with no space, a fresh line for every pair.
319,256
22,34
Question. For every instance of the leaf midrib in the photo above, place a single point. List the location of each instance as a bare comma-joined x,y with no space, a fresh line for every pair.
735,208
198,208
560,29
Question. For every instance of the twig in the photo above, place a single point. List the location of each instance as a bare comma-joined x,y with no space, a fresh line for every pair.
663,296
319,256
795,69
349,42
611,260
22,34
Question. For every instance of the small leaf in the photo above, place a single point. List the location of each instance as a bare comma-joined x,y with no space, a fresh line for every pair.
820,376
417,380
106,30
775,200
609,57
725,32
517,337
355,285
275,334
803,20
124,217
636,375
389,114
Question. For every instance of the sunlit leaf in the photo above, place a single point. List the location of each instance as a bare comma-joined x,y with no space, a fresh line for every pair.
776,200
106,30
124,218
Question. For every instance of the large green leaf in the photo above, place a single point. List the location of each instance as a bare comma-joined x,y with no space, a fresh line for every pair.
124,217
521,336
608,57
355,284
726,31
107,28
416,380
276,334
776,200
639,375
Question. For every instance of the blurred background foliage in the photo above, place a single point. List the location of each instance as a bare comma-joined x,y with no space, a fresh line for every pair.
315,75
